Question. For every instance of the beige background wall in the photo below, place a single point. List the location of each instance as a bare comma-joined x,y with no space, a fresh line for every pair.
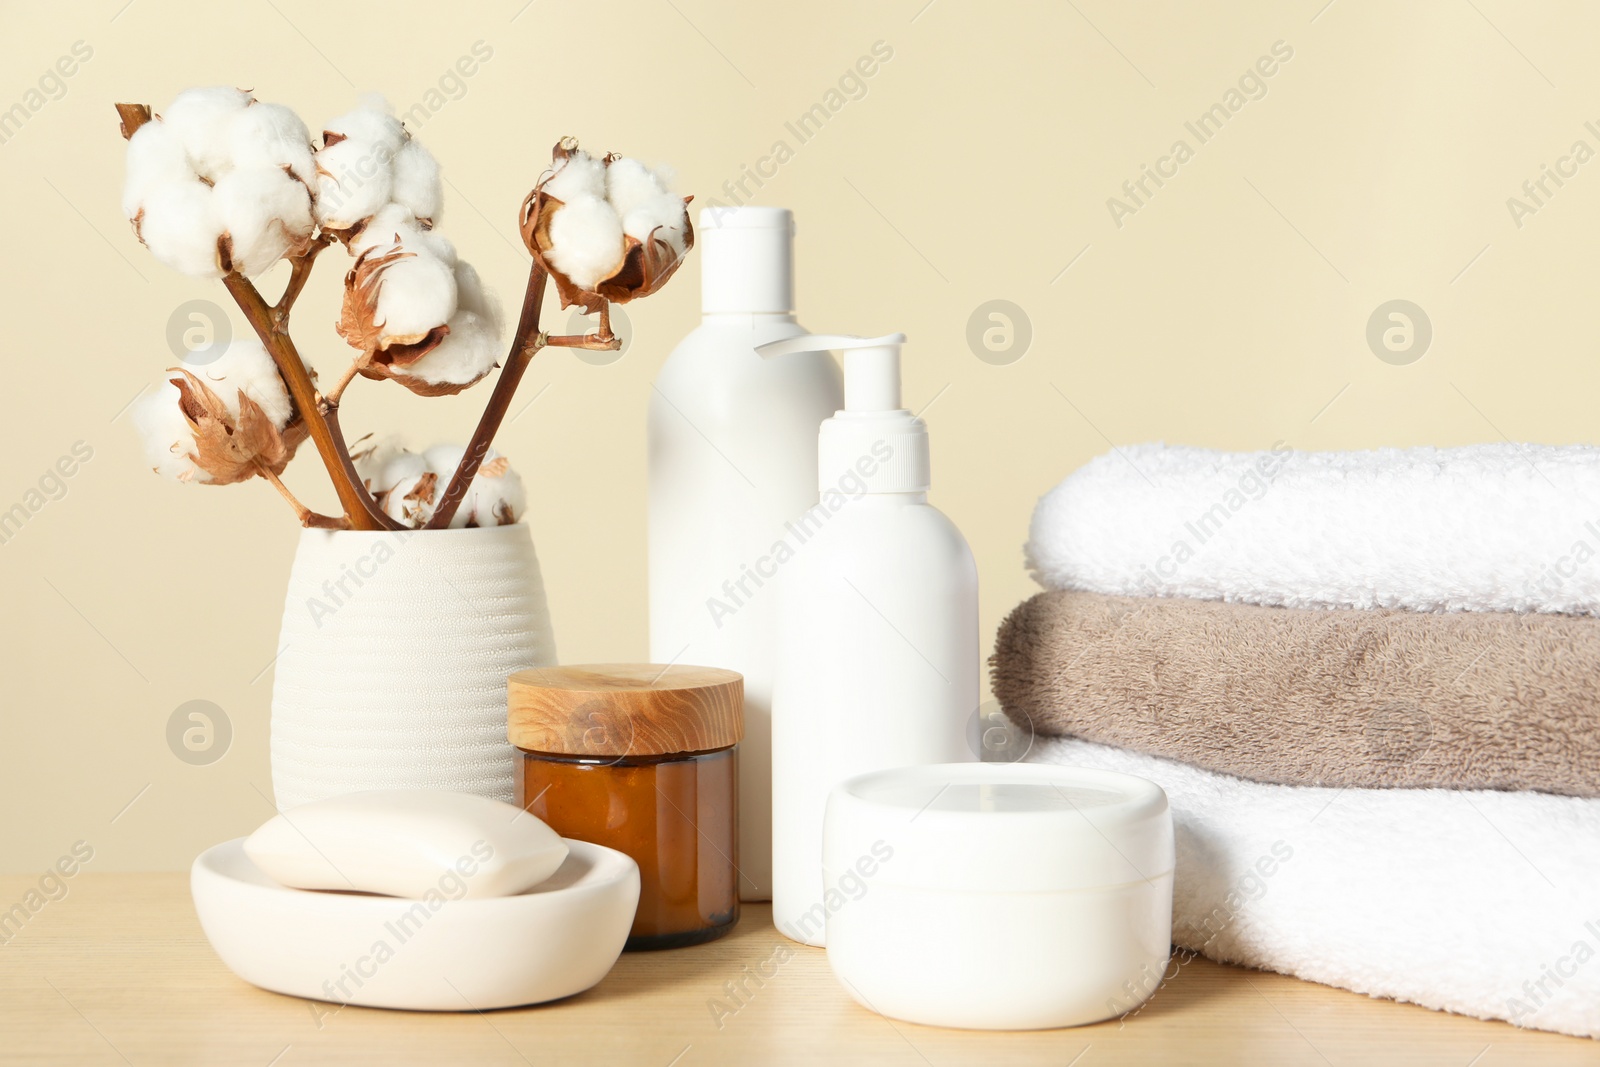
1229,309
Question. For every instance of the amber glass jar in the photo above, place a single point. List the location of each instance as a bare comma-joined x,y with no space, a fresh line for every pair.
642,759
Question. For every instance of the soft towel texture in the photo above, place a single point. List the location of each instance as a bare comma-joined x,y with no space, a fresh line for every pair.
1314,697
1481,903
1481,528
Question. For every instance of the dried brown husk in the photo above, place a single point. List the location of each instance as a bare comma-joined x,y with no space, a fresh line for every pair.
231,448
645,267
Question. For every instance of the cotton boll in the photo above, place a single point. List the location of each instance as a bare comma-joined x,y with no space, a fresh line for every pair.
629,184
494,488
168,439
355,179
467,353
181,226
416,181
577,176
416,294
271,135
155,158
412,498
496,500
200,118
663,215
371,124
586,241
265,213
244,366
387,465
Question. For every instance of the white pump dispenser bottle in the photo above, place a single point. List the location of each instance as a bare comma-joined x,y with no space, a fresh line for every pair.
878,630
732,456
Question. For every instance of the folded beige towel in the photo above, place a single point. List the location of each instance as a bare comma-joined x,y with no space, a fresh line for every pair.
1313,696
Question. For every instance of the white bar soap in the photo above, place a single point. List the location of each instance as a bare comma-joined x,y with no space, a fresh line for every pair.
408,843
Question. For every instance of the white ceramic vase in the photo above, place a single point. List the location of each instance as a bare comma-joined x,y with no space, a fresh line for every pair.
393,657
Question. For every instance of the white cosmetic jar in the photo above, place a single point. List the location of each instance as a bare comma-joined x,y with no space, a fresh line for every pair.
998,896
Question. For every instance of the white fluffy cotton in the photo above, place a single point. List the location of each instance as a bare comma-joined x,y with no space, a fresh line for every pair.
371,122
180,225
600,203
245,366
200,118
168,444
393,475
416,182
472,346
354,182
271,136
218,162
662,216
155,158
367,163
386,465
415,295
168,439
497,499
265,213
467,353
472,295
586,241
629,183
578,175
495,490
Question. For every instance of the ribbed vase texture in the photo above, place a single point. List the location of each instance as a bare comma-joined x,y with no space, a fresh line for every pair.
393,657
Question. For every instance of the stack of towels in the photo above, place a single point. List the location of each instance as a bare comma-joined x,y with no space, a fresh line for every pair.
1370,685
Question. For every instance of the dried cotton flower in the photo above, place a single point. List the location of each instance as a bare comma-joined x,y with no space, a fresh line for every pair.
220,182
219,422
408,486
606,230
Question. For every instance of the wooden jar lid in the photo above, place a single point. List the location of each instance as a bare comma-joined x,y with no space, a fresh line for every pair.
625,709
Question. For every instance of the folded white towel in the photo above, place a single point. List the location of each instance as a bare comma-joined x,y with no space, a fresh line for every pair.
1479,528
1482,903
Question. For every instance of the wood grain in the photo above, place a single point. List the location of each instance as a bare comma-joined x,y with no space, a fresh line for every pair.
119,972
625,709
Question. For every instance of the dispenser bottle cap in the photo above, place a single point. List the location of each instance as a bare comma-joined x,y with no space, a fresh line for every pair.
873,442
746,260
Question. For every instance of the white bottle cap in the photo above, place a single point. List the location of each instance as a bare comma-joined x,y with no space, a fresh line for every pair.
746,259
873,440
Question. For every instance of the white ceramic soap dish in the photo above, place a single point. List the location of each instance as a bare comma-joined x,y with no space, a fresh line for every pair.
435,954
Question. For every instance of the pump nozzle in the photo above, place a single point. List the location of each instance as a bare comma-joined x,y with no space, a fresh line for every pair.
871,365
873,442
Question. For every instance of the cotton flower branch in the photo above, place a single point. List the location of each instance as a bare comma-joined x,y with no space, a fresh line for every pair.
224,186
607,231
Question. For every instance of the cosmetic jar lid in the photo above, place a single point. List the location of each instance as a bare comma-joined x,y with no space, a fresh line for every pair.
998,828
610,710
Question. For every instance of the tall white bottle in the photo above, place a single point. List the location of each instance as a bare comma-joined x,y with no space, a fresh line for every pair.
732,456
878,635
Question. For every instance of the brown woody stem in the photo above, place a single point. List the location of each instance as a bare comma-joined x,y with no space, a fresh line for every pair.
525,343
300,270
594,342
330,399
306,516
360,510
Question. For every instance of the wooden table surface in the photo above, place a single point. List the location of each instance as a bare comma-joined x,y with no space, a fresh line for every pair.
119,972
